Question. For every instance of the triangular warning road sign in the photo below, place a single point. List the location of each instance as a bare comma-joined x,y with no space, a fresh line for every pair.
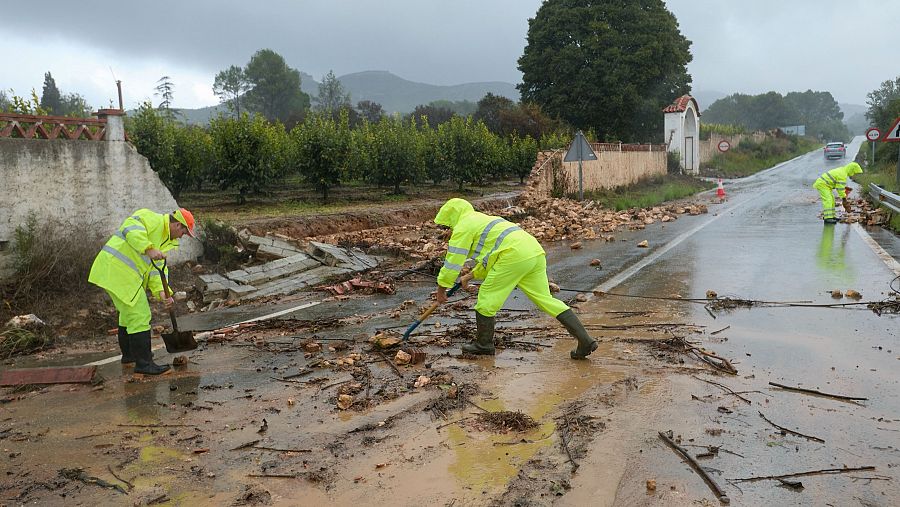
579,150
892,134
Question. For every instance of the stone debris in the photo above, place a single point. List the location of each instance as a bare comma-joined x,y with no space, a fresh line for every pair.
344,401
644,244
837,294
25,321
402,358
422,381
852,294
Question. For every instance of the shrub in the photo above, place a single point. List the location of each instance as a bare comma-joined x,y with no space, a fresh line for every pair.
52,258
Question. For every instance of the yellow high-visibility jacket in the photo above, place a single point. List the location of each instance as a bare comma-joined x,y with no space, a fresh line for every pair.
836,179
121,266
483,238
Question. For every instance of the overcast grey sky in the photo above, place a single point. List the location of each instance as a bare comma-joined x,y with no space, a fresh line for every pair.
750,46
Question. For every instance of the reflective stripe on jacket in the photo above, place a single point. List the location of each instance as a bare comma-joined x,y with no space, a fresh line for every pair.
837,178
121,266
483,238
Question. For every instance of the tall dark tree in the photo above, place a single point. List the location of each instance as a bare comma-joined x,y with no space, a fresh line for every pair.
435,115
606,65
332,95
880,103
274,87
490,108
165,90
51,98
371,111
229,85
5,103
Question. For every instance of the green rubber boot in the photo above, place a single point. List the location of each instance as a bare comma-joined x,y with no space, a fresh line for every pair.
586,344
484,337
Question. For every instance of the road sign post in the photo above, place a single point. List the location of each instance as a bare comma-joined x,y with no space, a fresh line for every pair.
580,150
873,134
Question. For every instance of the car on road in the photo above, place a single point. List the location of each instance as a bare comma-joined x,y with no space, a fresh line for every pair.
835,150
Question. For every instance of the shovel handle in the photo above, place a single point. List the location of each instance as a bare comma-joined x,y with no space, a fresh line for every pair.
162,276
167,291
428,311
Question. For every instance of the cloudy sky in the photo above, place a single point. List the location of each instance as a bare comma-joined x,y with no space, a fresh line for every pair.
748,46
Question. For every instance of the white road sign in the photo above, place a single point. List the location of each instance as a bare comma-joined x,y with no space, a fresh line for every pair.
873,134
724,146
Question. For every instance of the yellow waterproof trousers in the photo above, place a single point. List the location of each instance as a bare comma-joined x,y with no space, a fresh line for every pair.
827,198
529,275
136,317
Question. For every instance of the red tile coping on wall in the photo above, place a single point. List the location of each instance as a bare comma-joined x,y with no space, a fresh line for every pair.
681,104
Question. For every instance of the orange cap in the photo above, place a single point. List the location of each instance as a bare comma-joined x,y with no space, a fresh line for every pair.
186,218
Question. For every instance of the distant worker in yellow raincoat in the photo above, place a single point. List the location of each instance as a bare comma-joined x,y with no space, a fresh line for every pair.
505,257
835,179
124,269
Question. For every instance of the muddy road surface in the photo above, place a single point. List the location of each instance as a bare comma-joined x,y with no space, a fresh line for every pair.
301,409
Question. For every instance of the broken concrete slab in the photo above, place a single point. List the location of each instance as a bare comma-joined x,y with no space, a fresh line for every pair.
331,255
273,248
58,375
287,286
288,266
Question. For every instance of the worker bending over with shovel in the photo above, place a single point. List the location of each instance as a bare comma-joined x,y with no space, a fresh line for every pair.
124,268
835,179
505,257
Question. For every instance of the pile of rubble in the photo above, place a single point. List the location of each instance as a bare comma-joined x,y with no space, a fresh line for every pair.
547,219
551,219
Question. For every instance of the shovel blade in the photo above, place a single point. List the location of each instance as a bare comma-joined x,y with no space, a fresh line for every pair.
181,341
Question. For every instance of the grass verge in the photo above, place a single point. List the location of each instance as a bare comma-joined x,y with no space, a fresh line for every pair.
650,192
750,157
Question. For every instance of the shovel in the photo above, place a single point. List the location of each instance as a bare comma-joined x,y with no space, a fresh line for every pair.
433,307
176,341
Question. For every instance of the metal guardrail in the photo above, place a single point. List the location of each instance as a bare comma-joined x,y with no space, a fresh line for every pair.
885,198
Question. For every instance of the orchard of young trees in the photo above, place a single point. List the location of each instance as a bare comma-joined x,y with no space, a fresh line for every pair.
246,153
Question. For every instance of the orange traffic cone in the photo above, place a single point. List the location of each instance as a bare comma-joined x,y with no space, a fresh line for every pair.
720,191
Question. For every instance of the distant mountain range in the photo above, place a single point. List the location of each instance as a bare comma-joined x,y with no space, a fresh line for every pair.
395,94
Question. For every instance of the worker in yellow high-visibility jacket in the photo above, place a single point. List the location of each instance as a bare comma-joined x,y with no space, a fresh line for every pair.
835,179
124,269
505,257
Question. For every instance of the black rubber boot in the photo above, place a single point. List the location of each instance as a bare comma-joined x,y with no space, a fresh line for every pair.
484,337
140,350
586,344
125,346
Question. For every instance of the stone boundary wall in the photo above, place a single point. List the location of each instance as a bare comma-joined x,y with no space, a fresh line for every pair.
612,169
84,185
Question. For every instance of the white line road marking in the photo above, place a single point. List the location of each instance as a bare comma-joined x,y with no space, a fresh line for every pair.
113,359
628,273
882,254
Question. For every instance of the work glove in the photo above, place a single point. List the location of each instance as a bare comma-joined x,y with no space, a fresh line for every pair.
847,191
846,203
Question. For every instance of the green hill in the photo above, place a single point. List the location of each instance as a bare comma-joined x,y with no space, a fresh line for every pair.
395,94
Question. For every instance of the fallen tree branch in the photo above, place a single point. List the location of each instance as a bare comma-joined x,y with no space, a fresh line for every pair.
277,449
803,474
391,364
276,476
792,432
562,437
818,393
697,468
78,474
130,485
728,390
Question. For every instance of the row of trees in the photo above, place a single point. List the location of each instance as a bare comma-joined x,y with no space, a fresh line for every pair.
51,102
247,153
818,111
